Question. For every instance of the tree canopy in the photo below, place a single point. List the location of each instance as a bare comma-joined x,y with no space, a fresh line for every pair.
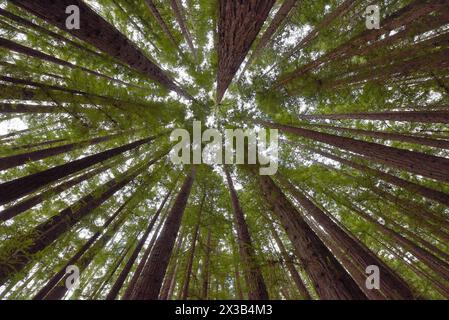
363,165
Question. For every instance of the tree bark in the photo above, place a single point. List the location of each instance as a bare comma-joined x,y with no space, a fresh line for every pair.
290,266
391,287
179,14
426,192
238,26
43,292
185,289
330,279
47,232
124,273
102,35
21,159
253,275
15,189
430,116
150,282
423,164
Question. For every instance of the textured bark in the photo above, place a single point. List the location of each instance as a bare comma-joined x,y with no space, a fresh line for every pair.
239,24
16,47
132,284
290,266
206,268
253,275
100,34
442,144
166,290
179,14
155,12
330,280
60,290
150,282
43,292
436,264
38,28
429,116
429,193
13,190
238,285
278,19
47,232
124,273
185,289
391,287
27,108
21,159
28,203
404,16
423,164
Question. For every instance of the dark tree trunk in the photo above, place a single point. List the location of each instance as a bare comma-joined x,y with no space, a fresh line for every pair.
150,282
20,159
28,203
442,144
47,232
124,274
391,287
155,12
16,47
429,193
290,266
239,24
206,268
253,275
423,164
430,116
15,189
102,35
185,289
330,279
44,291
179,14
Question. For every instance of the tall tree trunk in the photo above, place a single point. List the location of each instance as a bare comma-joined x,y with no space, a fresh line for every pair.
20,159
391,287
253,275
330,279
47,232
170,277
16,47
15,189
442,144
150,282
429,116
278,19
238,26
30,202
58,276
179,14
27,108
423,164
290,266
60,290
38,28
429,193
206,267
102,35
155,12
433,262
132,284
124,274
185,289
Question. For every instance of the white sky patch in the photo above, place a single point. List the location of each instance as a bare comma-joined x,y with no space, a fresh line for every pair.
11,125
